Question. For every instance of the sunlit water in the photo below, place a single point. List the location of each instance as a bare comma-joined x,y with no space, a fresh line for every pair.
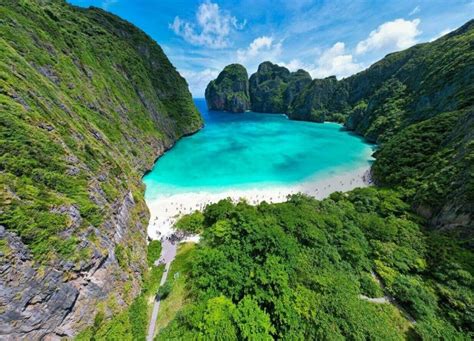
253,150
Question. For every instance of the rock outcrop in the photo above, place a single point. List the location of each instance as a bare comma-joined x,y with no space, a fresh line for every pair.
230,91
88,103
297,81
267,86
273,88
270,90
318,100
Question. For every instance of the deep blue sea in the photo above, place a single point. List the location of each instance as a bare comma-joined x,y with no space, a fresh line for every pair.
254,150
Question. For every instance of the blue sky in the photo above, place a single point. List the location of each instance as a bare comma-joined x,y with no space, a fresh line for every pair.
335,37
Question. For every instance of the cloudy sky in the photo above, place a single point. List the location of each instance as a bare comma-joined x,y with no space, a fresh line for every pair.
325,37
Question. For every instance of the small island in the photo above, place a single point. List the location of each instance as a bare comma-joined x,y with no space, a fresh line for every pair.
230,91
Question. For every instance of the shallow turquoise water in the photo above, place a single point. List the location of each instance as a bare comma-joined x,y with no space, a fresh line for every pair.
251,149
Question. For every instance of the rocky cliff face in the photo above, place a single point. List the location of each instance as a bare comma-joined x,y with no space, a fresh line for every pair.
88,102
401,88
318,100
230,91
267,86
270,90
273,87
297,81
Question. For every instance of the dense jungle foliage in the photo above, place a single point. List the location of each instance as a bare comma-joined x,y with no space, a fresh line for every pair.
230,90
87,101
307,269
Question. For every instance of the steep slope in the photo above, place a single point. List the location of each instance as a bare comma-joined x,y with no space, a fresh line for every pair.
357,265
267,86
87,102
230,91
273,88
418,105
400,89
297,81
320,101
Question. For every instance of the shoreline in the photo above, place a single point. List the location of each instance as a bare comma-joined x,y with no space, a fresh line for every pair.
164,211
167,148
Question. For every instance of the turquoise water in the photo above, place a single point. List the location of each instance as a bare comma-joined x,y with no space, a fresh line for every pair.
252,149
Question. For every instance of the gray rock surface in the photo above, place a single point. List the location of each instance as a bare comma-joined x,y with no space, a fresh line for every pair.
51,302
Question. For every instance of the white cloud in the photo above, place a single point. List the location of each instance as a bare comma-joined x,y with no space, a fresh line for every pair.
391,36
442,33
107,3
211,29
198,80
261,49
336,61
296,64
414,10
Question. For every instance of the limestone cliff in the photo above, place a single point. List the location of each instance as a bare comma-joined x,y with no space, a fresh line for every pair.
267,86
230,91
270,90
297,81
87,102
318,100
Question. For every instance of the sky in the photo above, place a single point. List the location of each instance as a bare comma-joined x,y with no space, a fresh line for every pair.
324,37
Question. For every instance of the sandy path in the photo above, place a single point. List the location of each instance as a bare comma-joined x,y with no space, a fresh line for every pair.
168,253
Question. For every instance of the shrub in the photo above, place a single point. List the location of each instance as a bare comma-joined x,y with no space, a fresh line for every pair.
191,223
153,252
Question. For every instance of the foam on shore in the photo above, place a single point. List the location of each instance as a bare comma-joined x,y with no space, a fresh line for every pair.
164,211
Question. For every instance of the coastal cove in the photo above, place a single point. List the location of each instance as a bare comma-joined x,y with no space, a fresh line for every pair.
256,157
323,188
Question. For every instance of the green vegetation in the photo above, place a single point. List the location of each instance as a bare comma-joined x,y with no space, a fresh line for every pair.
153,252
230,90
296,270
273,87
175,285
416,104
432,163
319,101
267,86
191,223
164,290
87,102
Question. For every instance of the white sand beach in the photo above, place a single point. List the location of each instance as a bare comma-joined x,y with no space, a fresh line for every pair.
164,211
